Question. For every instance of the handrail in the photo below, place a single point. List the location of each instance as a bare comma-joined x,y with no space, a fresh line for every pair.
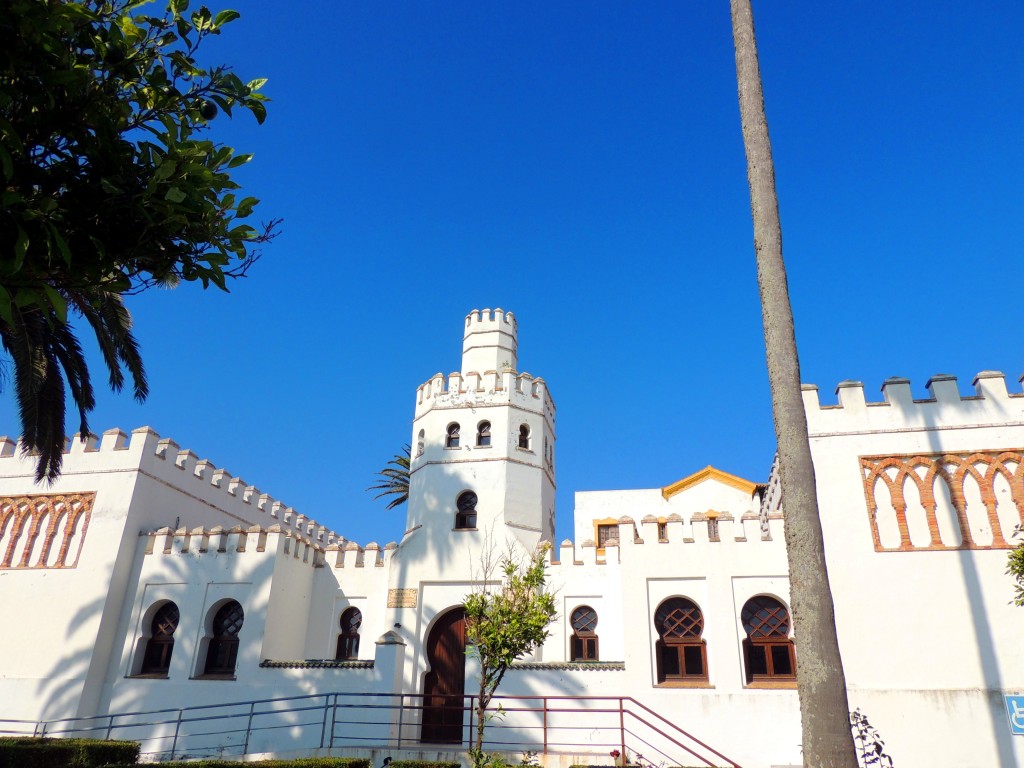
532,723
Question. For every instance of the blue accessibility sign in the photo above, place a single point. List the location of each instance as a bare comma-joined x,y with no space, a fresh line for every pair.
1015,711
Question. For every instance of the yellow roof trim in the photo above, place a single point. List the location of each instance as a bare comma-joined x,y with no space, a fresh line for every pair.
708,473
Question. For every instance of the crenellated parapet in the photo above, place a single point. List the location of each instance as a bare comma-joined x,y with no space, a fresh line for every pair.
991,404
493,387
236,541
164,460
680,537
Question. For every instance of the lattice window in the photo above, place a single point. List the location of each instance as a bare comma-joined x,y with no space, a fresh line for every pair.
483,434
465,516
157,657
681,653
222,653
768,650
348,640
584,638
451,439
605,533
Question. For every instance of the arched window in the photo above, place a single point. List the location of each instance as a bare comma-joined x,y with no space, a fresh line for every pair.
524,436
465,517
584,634
222,653
157,658
768,649
348,640
420,440
483,434
451,439
682,655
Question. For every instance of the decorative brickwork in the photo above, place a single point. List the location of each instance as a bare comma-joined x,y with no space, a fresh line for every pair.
967,489
44,531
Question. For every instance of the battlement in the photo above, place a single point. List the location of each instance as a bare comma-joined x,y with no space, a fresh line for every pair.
163,459
489,341
233,541
674,534
491,387
990,405
484,320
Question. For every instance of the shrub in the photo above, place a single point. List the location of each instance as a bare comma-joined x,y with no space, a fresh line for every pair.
66,753
423,764
302,762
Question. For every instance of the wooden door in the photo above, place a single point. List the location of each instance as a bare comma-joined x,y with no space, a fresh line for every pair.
445,684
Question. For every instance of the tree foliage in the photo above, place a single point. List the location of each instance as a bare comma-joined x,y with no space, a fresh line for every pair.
1015,567
395,479
505,623
108,185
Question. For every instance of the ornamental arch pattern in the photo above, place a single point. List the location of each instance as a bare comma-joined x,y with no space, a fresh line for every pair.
944,501
43,531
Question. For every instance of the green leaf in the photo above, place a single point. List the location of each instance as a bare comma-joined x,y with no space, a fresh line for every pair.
62,245
258,110
20,249
175,195
225,17
5,307
57,302
178,7
5,163
255,85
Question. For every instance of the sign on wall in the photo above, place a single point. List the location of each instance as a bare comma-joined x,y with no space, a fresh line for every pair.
402,598
1015,711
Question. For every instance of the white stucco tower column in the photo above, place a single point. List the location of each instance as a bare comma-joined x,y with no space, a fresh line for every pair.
487,430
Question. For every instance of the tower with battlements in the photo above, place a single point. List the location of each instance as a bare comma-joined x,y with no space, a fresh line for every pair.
483,444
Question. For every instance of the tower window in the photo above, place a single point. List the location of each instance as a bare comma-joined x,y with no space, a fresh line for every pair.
420,440
465,517
451,439
768,650
681,653
524,437
584,634
483,434
348,640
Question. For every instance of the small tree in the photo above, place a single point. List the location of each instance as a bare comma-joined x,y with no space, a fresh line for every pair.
505,623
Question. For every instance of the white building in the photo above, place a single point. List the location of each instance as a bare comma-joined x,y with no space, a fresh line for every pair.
146,579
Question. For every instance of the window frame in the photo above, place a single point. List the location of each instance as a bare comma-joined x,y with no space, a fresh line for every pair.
160,642
763,637
452,435
483,434
466,515
350,622
584,635
524,437
680,646
223,646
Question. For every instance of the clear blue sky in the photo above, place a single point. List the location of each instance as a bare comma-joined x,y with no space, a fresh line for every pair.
581,164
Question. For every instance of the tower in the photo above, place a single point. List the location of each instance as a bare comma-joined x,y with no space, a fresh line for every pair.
483,445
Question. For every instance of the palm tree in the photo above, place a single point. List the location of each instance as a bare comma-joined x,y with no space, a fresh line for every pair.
45,351
824,710
395,479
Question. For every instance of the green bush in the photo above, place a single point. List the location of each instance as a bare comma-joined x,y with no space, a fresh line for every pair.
423,764
66,753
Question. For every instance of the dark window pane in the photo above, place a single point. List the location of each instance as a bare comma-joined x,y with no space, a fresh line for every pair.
782,662
757,661
670,661
590,648
577,648
605,532
693,660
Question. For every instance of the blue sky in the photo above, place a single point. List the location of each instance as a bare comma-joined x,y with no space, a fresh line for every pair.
581,164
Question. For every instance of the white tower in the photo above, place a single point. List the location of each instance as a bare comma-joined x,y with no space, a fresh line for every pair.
483,446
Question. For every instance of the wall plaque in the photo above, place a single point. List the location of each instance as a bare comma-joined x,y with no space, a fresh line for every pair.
402,598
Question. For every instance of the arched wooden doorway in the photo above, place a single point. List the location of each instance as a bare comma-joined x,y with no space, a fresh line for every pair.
445,684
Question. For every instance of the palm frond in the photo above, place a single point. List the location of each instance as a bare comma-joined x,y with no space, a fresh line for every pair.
395,479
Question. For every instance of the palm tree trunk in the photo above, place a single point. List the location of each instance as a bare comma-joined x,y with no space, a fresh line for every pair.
824,711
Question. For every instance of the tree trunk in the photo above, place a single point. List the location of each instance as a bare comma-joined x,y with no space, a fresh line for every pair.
824,711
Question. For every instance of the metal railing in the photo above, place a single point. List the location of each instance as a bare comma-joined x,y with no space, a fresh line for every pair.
594,725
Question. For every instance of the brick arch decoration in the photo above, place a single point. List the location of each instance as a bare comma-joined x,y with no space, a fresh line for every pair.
61,519
954,470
